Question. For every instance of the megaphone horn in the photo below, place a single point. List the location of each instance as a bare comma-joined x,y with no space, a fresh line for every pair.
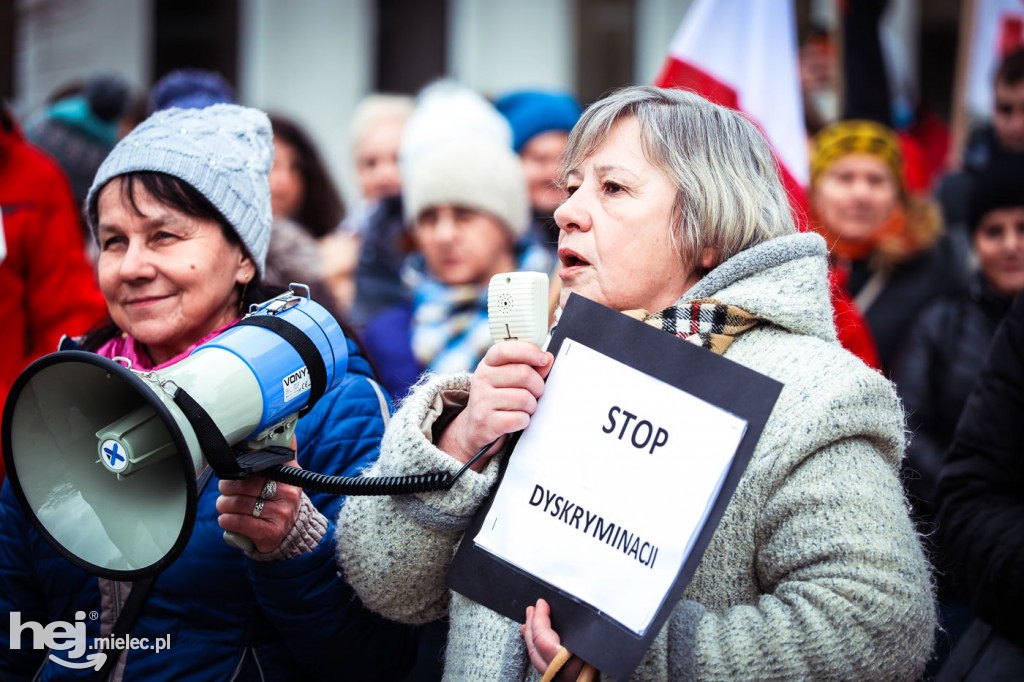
104,459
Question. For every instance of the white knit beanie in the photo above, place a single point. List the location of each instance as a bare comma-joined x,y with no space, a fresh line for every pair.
224,151
474,172
446,111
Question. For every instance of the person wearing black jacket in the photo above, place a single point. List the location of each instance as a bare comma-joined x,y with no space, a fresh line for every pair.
943,355
981,512
939,364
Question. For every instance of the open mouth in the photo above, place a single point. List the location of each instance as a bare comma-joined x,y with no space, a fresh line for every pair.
571,259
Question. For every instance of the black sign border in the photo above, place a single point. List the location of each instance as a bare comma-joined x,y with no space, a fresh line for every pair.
586,631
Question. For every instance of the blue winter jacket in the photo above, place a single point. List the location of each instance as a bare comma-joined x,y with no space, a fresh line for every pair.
386,339
228,617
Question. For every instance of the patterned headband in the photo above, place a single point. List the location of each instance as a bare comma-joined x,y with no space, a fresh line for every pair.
855,137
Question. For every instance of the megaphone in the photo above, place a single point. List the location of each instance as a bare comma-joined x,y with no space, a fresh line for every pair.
104,459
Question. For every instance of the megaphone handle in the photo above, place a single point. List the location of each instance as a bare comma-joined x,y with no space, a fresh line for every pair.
240,541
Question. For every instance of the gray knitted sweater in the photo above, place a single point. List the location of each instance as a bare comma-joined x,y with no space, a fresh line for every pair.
814,572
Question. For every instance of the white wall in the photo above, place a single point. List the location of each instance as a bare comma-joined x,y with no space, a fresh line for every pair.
59,41
496,46
311,61
656,23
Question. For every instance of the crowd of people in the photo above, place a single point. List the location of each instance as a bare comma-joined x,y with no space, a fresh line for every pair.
875,533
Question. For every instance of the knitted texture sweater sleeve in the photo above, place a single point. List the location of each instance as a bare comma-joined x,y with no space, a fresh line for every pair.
395,551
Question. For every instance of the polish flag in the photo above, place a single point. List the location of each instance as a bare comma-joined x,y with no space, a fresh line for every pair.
743,55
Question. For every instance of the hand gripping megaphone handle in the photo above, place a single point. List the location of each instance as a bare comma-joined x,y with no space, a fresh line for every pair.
227,462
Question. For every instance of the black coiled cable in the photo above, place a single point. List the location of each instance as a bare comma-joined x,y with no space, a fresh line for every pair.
368,485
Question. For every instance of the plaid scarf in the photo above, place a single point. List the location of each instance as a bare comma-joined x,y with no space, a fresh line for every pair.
705,322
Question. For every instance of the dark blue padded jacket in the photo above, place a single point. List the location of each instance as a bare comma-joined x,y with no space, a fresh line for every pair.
228,617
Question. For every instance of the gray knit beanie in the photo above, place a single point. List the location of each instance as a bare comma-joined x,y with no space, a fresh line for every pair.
224,151
475,172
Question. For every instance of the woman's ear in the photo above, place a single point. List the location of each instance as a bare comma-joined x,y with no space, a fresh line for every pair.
246,270
709,258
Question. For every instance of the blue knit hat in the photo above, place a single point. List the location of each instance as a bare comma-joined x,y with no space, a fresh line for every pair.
224,151
531,113
190,89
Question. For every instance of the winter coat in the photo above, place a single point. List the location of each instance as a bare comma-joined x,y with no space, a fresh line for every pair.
935,372
939,270
49,288
814,572
386,339
378,275
981,486
851,327
228,617
953,192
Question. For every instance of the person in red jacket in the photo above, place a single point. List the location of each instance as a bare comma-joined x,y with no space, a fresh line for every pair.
49,288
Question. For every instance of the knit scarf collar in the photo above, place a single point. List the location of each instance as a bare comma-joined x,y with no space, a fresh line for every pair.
449,330
129,347
893,229
705,322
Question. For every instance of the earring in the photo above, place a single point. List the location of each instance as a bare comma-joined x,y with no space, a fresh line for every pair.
241,299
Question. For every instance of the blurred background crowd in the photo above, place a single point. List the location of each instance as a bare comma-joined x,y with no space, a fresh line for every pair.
406,131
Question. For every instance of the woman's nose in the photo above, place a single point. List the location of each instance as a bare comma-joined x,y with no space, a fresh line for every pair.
860,189
445,227
573,213
137,263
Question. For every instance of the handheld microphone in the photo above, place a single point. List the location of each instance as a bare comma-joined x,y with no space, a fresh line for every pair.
517,307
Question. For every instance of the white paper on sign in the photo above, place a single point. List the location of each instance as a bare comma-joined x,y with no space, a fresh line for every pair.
608,488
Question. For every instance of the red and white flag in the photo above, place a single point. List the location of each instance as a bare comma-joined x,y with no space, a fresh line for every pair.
743,55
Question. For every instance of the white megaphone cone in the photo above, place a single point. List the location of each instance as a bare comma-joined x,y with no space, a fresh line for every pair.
104,459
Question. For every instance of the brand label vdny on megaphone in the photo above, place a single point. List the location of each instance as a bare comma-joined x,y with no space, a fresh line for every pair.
296,383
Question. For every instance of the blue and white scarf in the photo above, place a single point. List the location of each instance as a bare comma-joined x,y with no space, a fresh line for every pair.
449,331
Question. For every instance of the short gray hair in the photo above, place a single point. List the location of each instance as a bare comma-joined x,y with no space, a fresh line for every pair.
376,109
729,195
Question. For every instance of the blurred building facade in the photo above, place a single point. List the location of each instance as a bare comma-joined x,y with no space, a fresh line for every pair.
312,60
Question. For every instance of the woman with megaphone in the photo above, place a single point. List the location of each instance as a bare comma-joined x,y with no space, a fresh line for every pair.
181,213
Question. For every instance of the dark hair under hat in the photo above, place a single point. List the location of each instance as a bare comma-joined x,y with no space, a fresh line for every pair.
108,96
1000,185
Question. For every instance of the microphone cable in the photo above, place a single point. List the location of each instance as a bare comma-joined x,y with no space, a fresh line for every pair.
369,485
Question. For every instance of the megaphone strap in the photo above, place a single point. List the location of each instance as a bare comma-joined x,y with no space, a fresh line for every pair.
137,598
216,449
302,344
222,458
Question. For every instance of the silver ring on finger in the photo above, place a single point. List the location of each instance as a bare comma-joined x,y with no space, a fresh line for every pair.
257,508
269,489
